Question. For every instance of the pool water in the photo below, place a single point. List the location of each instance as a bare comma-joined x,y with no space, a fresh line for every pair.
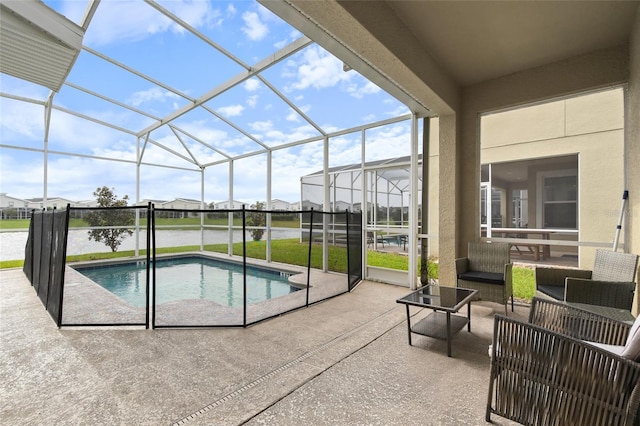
191,277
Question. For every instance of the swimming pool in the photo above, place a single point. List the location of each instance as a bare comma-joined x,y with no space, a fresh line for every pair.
192,277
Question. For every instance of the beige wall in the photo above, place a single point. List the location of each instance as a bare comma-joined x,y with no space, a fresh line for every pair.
593,71
590,126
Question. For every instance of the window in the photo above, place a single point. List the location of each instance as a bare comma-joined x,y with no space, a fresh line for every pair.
520,208
494,209
560,200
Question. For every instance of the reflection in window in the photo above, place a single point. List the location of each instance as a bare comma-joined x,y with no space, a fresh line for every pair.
560,203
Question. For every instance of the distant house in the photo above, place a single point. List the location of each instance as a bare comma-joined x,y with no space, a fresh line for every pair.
182,204
341,206
13,208
277,204
87,203
52,203
295,206
146,201
235,204
308,205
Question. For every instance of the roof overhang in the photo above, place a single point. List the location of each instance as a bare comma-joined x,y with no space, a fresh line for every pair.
37,44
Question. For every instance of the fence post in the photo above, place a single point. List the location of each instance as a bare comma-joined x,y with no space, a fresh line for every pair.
152,219
149,213
309,256
244,266
64,265
346,219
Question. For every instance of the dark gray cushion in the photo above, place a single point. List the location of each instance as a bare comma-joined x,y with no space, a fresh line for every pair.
483,277
554,291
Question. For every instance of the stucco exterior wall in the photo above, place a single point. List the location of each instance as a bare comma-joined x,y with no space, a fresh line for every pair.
593,71
590,126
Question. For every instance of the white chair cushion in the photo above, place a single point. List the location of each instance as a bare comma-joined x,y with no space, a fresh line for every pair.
632,347
609,348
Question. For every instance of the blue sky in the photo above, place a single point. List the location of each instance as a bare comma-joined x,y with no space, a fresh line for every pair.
138,36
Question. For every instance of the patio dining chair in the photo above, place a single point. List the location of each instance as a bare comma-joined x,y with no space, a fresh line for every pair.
488,269
565,366
611,283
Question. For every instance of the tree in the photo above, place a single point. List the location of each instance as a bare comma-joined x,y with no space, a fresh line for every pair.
9,213
110,221
256,219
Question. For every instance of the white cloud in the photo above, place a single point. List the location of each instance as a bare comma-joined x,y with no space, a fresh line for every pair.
155,94
198,14
276,137
293,116
293,35
252,101
137,20
360,91
251,85
280,44
231,10
262,126
21,119
399,110
16,86
231,110
253,27
317,69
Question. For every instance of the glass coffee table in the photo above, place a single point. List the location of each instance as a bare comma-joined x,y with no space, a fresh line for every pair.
444,301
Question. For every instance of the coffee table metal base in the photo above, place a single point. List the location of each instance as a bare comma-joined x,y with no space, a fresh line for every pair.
445,302
439,325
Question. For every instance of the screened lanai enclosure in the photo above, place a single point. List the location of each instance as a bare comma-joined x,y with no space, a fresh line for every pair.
379,189
209,103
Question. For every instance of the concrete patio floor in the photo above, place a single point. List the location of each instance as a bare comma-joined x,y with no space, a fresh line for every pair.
342,361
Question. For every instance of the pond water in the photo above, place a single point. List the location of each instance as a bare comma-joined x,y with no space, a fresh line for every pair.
12,244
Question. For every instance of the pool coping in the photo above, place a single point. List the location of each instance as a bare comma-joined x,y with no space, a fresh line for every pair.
107,308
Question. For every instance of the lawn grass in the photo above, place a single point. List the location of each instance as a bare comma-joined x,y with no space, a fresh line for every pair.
18,224
524,283
524,286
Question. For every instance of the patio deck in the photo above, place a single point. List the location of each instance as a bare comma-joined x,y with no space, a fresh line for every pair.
342,361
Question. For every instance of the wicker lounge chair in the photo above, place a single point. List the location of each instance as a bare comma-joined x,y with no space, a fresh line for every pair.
487,268
566,366
611,283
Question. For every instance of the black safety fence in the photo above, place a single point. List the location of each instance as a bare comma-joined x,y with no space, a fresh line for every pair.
107,281
166,268
44,260
239,267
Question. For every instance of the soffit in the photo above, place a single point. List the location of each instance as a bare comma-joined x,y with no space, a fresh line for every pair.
475,41
37,44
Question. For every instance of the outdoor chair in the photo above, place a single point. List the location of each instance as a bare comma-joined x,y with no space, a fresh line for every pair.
371,238
565,366
610,284
487,268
